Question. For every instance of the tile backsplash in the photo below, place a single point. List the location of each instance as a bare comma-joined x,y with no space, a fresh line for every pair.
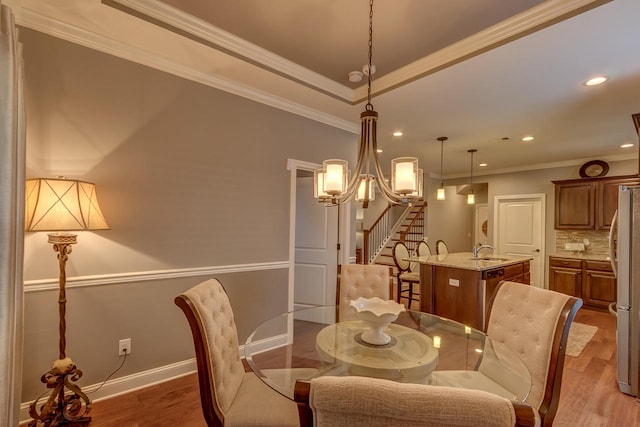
598,241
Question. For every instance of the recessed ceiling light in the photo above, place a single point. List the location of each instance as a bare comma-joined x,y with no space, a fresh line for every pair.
626,145
397,133
596,81
482,165
527,138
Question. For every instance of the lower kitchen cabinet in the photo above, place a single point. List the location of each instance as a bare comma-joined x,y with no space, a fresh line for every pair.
593,281
599,284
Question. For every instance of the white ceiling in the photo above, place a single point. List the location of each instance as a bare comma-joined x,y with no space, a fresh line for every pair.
470,70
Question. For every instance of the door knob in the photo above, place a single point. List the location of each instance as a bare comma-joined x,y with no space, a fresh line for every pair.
536,250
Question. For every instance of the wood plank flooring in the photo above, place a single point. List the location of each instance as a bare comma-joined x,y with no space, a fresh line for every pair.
589,398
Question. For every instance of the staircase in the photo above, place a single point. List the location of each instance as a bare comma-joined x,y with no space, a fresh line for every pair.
410,231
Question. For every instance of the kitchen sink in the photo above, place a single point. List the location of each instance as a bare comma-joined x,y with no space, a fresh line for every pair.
489,258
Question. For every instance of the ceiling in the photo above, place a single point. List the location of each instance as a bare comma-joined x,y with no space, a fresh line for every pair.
484,73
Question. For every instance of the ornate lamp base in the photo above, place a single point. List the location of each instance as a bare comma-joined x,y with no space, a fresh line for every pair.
62,409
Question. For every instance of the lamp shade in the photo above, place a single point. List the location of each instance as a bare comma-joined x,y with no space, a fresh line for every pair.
62,205
367,182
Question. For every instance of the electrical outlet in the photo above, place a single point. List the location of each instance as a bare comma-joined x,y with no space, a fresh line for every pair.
124,347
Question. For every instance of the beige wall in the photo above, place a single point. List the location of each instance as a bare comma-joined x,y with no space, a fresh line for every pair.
190,179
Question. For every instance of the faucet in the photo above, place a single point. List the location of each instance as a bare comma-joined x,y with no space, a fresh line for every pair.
477,249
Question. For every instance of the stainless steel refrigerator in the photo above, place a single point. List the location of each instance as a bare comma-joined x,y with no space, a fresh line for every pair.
624,243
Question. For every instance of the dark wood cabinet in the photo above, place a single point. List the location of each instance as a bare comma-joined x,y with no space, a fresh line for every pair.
599,286
565,275
588,204
593,281
607,194
463,294
575,205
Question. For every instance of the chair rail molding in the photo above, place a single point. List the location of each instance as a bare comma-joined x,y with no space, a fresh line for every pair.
143,276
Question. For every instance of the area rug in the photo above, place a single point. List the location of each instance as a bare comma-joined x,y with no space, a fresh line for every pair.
579,336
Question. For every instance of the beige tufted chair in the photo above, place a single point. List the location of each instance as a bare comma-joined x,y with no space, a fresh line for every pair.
372,402
441,247
535,323
405,274
229,395
423,248
359,280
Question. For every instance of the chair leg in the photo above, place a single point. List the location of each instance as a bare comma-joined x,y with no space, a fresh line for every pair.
399,291
410,295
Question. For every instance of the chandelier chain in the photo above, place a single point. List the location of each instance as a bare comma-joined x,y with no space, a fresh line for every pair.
369,106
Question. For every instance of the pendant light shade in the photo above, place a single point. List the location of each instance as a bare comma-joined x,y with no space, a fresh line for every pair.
440,195
332,185
471,198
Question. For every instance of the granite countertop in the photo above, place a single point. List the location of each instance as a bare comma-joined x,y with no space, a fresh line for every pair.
464,260
580,255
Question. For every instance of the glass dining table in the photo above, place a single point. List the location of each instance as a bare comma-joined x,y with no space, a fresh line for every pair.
423,348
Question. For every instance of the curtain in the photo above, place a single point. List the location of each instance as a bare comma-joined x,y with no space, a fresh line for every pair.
12,182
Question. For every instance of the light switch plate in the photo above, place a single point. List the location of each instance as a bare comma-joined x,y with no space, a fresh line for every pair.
454,282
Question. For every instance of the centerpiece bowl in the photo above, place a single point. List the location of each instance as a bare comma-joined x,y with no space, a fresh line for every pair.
378,314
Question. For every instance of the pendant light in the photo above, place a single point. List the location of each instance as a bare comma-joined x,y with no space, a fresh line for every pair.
332,184
471,198
440,194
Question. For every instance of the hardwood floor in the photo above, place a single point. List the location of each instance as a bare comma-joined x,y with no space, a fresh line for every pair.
589,398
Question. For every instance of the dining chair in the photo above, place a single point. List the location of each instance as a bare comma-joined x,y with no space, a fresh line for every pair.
423,248
229,396
361,280
354,401
405,274
441,248
534,323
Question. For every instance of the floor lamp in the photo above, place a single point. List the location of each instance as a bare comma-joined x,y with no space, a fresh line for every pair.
62,205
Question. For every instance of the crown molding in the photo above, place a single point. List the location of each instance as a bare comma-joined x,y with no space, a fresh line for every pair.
538,166
46,24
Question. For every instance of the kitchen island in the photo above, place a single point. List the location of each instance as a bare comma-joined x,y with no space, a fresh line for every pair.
459,286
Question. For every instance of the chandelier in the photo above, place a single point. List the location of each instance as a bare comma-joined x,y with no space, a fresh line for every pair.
332,183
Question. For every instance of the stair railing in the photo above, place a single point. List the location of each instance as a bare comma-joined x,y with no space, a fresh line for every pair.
374,239
417,223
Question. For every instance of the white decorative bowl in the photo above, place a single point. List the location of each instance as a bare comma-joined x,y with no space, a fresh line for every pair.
378,314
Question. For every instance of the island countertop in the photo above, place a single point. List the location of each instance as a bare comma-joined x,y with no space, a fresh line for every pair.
464,260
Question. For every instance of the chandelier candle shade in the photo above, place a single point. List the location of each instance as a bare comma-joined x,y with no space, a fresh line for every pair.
332,183
61,206
471,198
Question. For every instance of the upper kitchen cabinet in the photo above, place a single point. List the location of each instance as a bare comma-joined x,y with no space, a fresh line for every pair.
608,194
588,204
575,204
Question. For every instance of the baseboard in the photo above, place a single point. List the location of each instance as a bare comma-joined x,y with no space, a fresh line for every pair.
129,383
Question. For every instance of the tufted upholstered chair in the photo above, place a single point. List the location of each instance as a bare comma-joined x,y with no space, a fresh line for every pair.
405,274
534,323
372,402
360,280
441,247
229,396
423,249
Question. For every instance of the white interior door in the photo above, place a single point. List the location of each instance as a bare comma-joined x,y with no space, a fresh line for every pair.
519,230
316,253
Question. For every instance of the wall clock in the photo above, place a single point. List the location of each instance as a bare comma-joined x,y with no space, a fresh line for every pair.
594,168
